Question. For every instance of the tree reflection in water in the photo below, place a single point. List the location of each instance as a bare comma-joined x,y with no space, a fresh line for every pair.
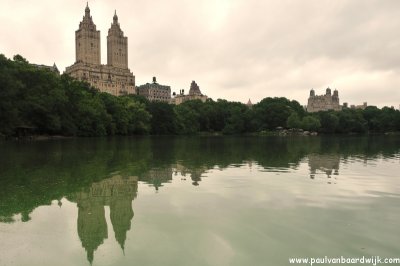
96,173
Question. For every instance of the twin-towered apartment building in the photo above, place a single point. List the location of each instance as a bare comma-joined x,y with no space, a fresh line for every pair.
115,77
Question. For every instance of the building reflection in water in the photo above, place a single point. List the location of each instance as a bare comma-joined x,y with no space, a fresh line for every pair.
157,176
195,173
326,163
116,192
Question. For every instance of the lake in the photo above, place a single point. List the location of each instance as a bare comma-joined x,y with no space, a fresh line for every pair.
198,200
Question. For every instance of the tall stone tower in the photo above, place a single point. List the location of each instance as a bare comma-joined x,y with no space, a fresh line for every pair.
114,77
87,41
117,46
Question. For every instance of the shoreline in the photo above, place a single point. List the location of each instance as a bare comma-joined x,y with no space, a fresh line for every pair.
283,133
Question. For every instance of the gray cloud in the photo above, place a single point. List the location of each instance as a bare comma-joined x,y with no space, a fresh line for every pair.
234,49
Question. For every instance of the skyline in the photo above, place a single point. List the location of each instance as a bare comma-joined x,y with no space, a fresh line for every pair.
234,49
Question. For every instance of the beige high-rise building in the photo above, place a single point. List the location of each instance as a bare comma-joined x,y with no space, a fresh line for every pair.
87,41
115,77
117,45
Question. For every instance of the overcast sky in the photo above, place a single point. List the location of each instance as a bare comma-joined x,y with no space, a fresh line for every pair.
234,49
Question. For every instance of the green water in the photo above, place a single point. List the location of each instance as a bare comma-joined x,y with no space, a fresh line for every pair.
198,201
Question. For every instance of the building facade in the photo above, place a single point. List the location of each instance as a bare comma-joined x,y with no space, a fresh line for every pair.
52,68
155,92
325,102
115,77
353,106
194,94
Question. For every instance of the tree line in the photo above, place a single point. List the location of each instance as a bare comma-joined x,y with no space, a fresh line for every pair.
37,98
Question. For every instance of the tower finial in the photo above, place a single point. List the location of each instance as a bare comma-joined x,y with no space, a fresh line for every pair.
115,18
87,10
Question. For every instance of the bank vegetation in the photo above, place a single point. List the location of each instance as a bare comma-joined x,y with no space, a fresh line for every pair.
38,101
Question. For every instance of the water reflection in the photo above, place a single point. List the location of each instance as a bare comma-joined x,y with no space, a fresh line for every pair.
194,173
326,163
116,192
34,174
105,172
157,176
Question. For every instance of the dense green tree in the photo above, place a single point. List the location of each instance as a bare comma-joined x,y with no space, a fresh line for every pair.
187,119
371,115
351,121
293,121
329,121
218,114
388,119
163,120
236,123
9,88
127,115
270,113
310,123
139,98
139,118
51,104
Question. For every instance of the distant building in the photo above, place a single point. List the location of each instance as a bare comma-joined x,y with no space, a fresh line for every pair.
52,68
194,94
115,77
325,102
362,106
155,92
249,104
